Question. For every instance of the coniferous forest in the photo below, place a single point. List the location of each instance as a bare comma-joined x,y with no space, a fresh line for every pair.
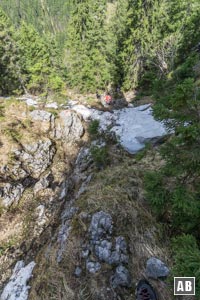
151,46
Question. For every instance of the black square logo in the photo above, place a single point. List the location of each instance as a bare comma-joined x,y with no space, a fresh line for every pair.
184,285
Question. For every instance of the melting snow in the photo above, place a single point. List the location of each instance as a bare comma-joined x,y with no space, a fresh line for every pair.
133,126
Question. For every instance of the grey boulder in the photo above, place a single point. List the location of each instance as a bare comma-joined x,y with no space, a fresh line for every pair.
69,127
93,267
103,250
101,225
121,277
155,268
41,115
36,157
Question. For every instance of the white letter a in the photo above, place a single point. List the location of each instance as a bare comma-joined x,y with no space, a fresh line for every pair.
180,287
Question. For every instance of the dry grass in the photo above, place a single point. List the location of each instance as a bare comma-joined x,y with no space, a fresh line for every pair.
10,227
15,129
119,191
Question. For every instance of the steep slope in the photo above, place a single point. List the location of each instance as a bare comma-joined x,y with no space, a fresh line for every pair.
77,219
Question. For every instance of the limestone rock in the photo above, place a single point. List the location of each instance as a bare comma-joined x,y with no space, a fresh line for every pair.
101,224
103,250
155,268
93,267
14,169
36,157
44,119
17,287
42,184
121,277
41,220
84,159
11,194
69,127
53,105
41,115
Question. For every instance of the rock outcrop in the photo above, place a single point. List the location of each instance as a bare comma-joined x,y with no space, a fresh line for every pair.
17,287
69,127
105,250
36,157
45,120
52,175
11,194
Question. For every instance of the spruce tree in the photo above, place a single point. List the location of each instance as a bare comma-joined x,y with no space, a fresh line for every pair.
38,66
86,56
144,24
10,70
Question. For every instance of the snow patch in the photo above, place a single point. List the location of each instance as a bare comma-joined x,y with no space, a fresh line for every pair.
133,126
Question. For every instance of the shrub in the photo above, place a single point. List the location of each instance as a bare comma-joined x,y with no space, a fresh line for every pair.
185,210
155,192
93,127
186,259
100,156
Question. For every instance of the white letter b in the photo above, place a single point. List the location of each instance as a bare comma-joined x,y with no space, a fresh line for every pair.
188,286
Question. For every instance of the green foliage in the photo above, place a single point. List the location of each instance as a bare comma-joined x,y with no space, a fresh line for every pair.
158,34
100,156
93,127
156,192
185,209
186,258
46,16
87,51
101,43
174,191
36,62
179,202
27,61
9,57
